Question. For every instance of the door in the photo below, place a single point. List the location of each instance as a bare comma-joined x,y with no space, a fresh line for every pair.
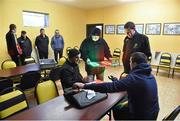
89,28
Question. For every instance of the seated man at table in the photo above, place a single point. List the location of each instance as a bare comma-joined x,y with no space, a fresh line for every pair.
141,88
70,73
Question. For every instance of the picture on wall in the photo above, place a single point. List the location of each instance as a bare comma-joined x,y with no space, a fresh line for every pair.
153,28
171,29
109,29
120,29
140,28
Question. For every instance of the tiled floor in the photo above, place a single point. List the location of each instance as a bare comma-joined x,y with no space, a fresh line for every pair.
168,89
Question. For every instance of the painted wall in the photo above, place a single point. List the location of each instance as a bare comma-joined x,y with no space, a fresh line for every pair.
71,21
152,11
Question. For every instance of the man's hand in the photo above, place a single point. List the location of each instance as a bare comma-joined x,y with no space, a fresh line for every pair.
110,59
78,85
112,78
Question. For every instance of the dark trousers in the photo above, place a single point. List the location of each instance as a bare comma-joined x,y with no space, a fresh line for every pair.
98,72
22,58
43,55
126,65
56,52
16,59
123,113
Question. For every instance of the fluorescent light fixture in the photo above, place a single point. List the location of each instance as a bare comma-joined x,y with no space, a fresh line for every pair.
130,0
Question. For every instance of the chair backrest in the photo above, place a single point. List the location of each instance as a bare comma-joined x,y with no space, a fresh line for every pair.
8,64
45,91
29,80
61,61
76,47
117,52
5,83
55,73
177,63
12,102
165,59
29,60
67,50
173,114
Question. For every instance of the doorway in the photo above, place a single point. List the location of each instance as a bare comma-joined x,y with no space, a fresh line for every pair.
89,28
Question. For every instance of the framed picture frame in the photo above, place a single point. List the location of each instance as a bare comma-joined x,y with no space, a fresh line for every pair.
171,29
153,29
109,29
140,28
120,29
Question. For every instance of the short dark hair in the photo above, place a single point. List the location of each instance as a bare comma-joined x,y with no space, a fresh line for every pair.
129,25
138,57
12,26
41,29
23,32
73,53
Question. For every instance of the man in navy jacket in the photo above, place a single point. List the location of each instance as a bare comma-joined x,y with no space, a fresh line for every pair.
141,87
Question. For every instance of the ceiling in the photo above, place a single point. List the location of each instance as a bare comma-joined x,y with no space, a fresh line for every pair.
91,4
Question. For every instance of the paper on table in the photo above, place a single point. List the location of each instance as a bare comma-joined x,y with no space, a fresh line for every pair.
90,94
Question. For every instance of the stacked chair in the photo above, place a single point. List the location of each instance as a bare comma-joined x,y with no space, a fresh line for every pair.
116,57
165,62
177,65
67,50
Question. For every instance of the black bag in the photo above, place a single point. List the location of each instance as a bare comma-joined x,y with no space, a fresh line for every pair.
80,99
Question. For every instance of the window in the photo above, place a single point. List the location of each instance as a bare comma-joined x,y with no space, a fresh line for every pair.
35,19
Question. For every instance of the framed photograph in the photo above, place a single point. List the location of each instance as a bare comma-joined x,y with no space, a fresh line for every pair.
140,28
120,29
171,29
109,29
153,28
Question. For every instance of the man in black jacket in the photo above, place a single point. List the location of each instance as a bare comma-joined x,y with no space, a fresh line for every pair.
70,73
26,46
42,42
141,88
94,49
12,45
134,42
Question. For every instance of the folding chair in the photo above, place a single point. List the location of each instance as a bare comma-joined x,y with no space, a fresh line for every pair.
45,91
172,115
12,102
165,62
61,61
8,64
177,65
116,57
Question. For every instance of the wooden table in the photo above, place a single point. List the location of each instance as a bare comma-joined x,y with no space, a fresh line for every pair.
12,72
59,109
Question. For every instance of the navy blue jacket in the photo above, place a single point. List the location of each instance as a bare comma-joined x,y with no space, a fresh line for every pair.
25,45
141,87
42,43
